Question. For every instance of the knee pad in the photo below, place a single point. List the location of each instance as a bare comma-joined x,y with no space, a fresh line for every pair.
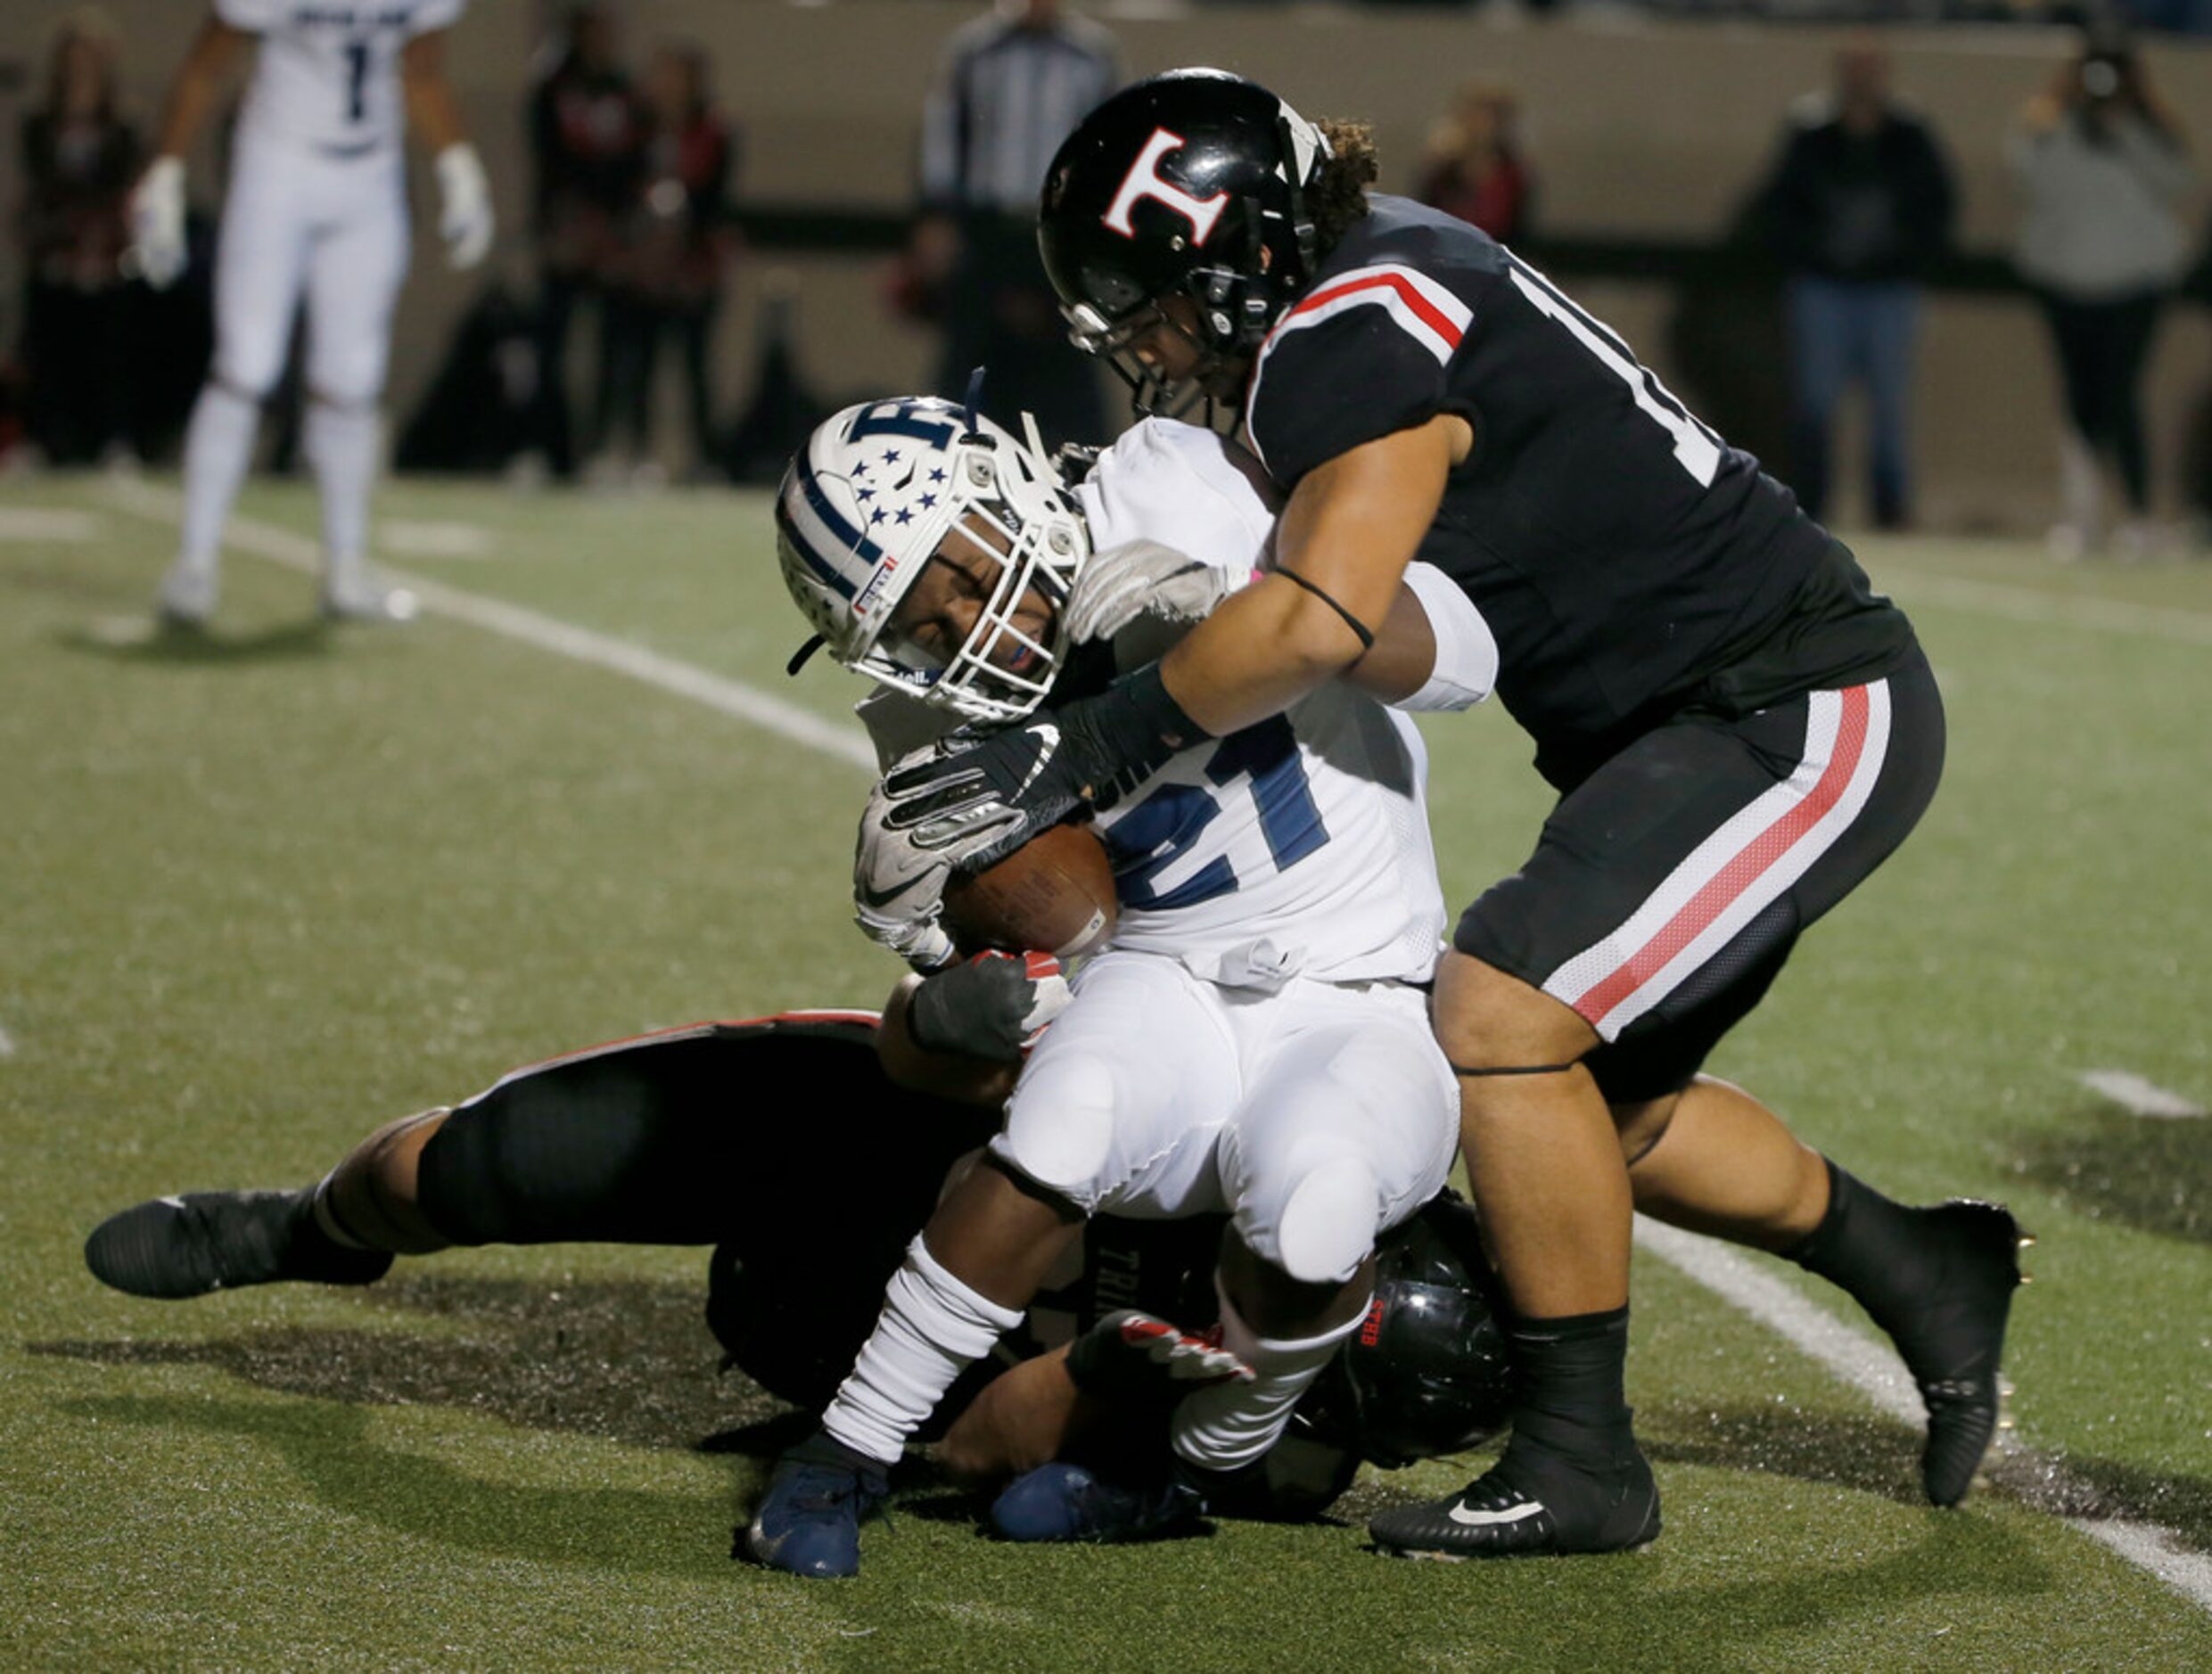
1322,1228
1060,1129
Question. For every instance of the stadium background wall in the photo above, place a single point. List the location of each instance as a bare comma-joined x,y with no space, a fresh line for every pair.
1647,136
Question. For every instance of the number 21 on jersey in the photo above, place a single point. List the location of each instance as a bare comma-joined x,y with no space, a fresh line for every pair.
1148,840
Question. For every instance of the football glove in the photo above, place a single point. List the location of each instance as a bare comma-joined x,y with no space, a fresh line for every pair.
157,224
994,1006
976,801
1129,1354
464,218
898,886
1144,579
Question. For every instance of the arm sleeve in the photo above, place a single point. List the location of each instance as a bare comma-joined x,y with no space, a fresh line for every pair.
1365,354
1466,652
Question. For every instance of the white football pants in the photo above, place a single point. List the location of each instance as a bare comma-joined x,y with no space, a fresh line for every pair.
1316,1115
332,229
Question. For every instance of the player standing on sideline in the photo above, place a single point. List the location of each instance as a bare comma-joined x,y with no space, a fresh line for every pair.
316,207
1740,729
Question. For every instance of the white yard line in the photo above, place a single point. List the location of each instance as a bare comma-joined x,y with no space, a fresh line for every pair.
1851,1355
2031,604
732,698
7,1044
48,524
2142,1097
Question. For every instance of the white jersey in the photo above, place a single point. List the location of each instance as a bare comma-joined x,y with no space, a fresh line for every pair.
1298,847
327,77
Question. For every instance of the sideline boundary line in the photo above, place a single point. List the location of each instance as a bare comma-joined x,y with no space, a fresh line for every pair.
1847,1354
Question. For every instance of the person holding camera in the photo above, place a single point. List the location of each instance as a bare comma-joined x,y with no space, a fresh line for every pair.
2104,169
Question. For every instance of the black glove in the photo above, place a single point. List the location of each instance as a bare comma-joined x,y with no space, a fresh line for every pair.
994,1006
982,804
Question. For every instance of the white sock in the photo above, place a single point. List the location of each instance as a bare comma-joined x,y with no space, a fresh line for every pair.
218,445
932,1325
342,444
1231,1424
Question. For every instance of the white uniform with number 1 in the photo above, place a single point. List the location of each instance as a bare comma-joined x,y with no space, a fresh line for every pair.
318,201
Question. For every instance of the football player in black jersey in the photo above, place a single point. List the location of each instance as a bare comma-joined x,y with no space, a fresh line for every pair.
1739,730
662,1140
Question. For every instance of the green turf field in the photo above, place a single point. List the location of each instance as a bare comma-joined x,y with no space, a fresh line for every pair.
260,893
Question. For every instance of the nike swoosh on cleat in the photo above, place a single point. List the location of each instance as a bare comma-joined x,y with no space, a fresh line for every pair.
1485,1519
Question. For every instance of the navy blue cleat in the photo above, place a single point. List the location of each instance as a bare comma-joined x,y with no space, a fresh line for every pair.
1061,1501
808,1522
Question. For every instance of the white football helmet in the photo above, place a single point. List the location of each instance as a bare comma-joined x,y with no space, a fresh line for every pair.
862,510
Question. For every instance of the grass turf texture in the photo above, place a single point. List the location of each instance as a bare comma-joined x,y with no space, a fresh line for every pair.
263,893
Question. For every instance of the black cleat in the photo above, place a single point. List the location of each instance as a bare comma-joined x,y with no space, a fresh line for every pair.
1534,1502
175,1247
1952,1336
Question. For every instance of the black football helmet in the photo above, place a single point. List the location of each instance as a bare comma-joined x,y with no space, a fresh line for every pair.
1189,184
1428,1372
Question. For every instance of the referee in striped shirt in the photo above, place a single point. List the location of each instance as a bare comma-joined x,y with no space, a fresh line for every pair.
1011,85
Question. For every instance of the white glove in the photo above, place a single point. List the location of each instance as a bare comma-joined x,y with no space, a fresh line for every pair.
1144,579
465,219
995,1006
157,225
899,887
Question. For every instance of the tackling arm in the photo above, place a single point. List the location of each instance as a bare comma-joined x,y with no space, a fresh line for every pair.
1348,533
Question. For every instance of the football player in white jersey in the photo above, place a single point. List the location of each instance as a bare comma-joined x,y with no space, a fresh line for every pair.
1256,1040
316,208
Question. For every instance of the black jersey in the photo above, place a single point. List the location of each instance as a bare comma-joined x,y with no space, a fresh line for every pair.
1624,556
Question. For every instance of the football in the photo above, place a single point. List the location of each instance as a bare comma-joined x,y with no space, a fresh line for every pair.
1054,893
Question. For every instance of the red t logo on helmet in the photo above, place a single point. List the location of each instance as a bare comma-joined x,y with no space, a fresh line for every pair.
1143,181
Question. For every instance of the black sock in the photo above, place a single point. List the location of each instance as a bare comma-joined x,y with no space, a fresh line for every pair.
1572,1371
1866,1243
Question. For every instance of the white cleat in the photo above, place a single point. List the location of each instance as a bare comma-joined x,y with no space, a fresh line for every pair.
363,601
186,600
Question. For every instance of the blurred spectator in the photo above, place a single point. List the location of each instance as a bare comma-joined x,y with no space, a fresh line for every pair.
1859,206
1473,168
81,160
587,136
1010,87
2102,166
675,244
